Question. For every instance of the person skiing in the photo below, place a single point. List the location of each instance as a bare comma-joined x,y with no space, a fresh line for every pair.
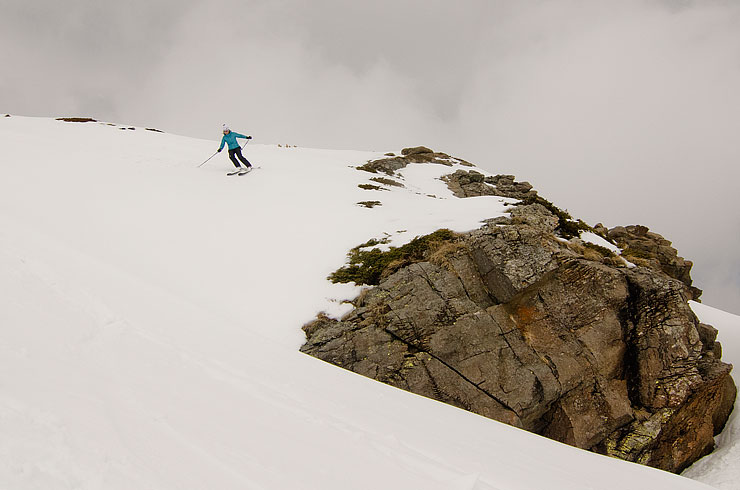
235,151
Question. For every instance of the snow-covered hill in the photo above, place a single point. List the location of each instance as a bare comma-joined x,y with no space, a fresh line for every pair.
150,316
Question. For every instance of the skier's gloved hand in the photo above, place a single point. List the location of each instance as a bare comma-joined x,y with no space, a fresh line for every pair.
219,150
249,137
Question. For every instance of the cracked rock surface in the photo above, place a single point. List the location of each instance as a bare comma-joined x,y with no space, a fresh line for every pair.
651,250
514,324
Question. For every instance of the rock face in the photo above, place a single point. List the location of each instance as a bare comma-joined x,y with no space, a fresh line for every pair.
471,183
649,249
512,323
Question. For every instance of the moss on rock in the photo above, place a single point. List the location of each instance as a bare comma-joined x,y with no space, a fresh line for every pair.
370,266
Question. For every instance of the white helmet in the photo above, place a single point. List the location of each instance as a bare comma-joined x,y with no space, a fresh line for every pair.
226,128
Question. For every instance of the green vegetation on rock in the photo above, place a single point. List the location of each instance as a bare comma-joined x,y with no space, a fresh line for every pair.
567,226
369,266
605,252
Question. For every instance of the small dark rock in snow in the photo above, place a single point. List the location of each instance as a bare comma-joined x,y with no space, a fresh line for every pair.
370,187
76,119
369,204
387,181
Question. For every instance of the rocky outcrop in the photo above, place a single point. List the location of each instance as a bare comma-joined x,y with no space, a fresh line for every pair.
419,154
506,186
650,249
516,324
470,183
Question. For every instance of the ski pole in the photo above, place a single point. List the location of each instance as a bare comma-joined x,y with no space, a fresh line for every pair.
207,159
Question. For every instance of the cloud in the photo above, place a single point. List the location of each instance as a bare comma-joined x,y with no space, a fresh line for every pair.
622,112
80,55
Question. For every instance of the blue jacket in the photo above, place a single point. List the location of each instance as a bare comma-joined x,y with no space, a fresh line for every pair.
230,139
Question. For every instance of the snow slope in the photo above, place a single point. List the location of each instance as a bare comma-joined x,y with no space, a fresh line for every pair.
150,317
721,469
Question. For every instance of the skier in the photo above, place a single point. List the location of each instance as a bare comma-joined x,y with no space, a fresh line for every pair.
235,151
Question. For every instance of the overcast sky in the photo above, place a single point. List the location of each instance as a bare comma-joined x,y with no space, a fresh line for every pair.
622,111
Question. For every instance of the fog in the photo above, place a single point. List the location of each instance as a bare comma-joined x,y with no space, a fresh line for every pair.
622,112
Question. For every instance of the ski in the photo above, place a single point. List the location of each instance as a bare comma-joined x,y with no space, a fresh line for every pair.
247,171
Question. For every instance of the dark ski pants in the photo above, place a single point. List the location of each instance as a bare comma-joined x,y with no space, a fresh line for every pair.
237,152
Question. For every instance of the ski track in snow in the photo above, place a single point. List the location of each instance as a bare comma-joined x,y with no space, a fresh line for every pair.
150,324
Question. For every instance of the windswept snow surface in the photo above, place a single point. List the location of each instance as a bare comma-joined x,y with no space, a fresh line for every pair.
590,237
721,469
150,316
